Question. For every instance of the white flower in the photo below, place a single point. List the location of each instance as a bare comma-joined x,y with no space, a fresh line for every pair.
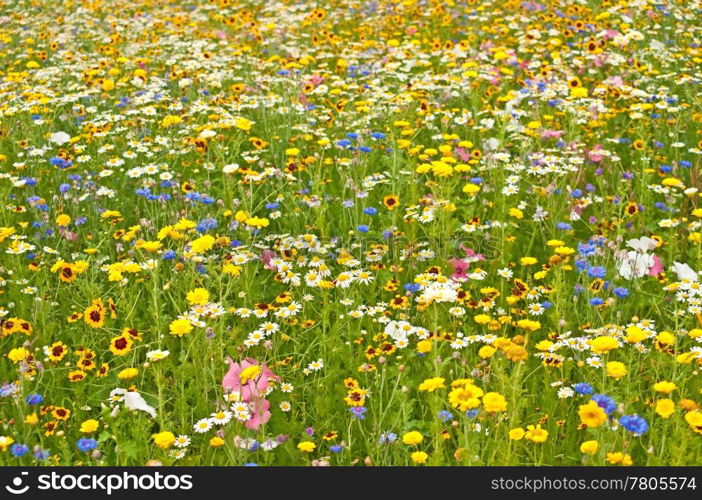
134,401
221,417
565,392
182,441
683,271
634,264
156,355
643,244
60,138
202,425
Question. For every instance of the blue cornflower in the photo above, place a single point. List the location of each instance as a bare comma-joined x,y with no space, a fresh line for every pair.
621,292
168,255
363,228
596,301
359,412
605,402
412,287
19,450
445,415
40,454
86,444
596,272
472,413
335,448
378,135
370,211
9,389
634,423
206,224
583,388
34,399
387,438
272,206
564,226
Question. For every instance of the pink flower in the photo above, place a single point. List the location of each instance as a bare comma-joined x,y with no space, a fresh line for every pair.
266,256
260,414
460,267
463,154
471,256
250,379
595,154
657,267
552,134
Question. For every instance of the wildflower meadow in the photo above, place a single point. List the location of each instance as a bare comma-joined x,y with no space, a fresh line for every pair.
344,232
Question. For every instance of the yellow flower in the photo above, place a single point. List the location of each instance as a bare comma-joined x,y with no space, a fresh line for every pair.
108,85
432,384
465,397
63,220
619,458
257,222
148,246
170,120
216,442
604,344
482,319
412,437
516,213
180,327
18,354
163,440
592,414
31,419
616,369
528,261
635,334
89,426
694,420
589,447
5,441
516,434
202,244
424,346
127,373
664,387
198,296
565,251
249,373
306,446
578,92
419,457
242,124
494,402
486,351
292,152
471,189
665,407
536,434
